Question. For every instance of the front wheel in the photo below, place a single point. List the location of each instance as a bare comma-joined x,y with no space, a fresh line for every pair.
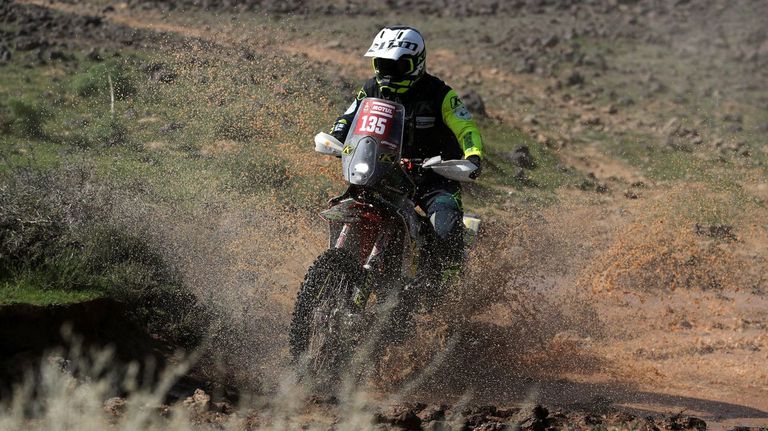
324,316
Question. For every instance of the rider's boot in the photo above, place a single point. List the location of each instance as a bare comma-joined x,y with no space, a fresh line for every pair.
441,265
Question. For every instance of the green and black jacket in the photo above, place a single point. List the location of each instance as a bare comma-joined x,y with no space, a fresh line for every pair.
437,122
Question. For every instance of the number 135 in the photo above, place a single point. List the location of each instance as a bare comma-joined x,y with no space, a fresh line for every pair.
373,123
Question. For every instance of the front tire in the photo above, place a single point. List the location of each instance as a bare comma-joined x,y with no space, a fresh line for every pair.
320,329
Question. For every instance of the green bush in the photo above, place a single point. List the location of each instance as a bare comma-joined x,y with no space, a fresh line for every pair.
6,122
95,81
56,235
102,132
27,119
111,133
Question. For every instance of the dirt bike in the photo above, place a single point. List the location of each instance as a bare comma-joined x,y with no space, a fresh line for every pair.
375,235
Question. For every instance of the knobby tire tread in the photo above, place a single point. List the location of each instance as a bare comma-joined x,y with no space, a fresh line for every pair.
308,296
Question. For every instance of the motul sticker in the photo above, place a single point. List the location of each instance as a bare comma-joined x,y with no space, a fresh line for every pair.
376,119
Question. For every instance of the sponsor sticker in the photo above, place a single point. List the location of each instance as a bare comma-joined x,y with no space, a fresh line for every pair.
387,158
376,119
462,113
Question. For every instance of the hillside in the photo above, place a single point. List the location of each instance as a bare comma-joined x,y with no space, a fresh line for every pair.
157,157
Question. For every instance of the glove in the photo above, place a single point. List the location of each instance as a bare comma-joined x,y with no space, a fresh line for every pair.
340,135
477,162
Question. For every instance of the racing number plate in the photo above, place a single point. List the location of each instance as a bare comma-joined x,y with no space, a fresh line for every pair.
376,120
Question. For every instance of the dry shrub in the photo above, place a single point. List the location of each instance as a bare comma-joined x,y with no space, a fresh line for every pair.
696,236
658,257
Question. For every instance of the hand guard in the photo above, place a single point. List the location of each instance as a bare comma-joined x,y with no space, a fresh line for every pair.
477,162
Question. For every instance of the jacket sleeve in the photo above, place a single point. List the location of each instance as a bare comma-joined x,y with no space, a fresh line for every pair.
457,117
340,128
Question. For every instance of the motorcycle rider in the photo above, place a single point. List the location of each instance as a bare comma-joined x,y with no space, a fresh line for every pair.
437,123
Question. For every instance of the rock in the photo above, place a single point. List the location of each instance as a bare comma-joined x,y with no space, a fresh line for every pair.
5,54
76,123
27,44
680,99
575,78
401,416
550,142
223,407
171,127
492,426
94,54
588,183
590,120
625,101
631,194
530,119
198,402
527,65
474,103
597,61
159,72
535,420
551,41
433,413
56,55
92,20
521,157
718,231
676,423
656,87
672,127
115,406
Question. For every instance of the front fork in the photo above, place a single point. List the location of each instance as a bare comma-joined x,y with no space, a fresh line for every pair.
372,262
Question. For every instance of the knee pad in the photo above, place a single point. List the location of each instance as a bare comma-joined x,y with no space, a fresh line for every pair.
445,223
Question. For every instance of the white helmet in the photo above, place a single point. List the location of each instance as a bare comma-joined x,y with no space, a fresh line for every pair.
399,58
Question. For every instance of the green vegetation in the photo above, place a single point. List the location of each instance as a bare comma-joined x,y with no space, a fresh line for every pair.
26,119
22,292
537,185
104,79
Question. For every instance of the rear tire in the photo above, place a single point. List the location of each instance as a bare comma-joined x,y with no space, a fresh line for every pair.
319,332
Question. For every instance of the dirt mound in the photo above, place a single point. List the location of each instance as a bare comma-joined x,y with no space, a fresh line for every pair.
29,332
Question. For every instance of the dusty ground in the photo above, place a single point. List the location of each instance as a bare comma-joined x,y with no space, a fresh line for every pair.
642,293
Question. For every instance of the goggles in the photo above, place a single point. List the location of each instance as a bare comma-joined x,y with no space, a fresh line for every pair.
393,68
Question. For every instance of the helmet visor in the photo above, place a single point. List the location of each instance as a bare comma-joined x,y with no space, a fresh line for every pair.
393,68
